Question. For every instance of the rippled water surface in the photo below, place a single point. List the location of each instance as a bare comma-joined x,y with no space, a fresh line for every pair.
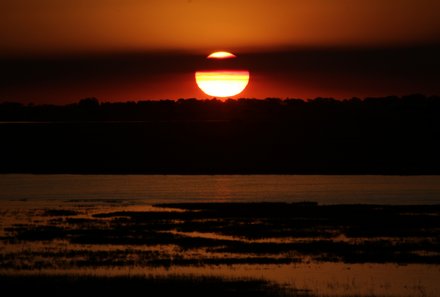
240,188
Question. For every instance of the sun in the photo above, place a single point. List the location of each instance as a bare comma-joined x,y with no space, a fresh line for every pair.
221,55
222,83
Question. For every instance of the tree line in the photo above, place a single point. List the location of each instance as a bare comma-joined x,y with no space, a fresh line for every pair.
390,135
269,109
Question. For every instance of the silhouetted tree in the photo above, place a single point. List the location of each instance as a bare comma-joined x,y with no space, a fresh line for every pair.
89,103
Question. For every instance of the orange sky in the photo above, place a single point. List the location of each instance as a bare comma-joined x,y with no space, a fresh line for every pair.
29,26
65,50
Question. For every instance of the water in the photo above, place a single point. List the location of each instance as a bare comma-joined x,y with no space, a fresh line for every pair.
323,189
25,199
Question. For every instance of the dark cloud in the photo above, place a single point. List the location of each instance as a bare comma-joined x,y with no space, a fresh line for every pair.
315,71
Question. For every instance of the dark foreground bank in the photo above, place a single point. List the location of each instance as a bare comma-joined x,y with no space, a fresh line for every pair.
323,136
326,147
69,286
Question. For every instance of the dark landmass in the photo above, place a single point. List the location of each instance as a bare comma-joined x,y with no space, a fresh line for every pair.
229,233
65,285
391,135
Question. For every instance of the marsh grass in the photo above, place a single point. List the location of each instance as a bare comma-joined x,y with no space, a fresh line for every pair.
296,231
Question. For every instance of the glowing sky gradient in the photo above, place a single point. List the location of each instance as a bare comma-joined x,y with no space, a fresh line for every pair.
204,25
54,51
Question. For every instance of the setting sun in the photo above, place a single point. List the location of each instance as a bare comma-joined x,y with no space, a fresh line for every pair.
222,83
221,55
